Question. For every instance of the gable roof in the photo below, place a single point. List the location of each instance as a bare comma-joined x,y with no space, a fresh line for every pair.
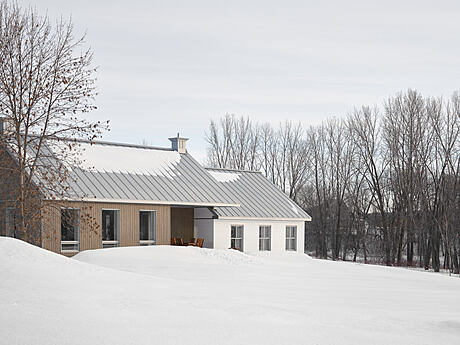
258,197
126,173
114,172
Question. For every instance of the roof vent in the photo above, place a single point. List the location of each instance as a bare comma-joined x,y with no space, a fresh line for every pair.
179,144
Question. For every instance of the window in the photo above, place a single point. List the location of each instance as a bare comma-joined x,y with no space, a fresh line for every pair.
236,241
10,222
265,234
147,228
291,237
110,228
70,230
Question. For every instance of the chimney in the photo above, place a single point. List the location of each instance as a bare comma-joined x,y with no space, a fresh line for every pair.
178,144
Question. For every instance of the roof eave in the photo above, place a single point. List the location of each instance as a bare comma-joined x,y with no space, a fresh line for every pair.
150,202
267,218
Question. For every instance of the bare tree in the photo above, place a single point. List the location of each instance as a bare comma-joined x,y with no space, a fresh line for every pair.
317,195
282,154
46,86
443,173
384,184
268,151
234,143
364,124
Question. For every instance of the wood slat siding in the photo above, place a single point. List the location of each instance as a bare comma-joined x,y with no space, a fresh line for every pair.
91,222
182,223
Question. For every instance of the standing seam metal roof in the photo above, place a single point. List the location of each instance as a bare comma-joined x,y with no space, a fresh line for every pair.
258,197
172,179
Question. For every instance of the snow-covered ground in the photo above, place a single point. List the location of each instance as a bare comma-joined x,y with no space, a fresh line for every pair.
179,295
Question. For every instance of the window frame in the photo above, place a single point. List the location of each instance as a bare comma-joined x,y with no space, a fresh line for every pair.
265,239
237,226
78,226
116,231
291,239
153,220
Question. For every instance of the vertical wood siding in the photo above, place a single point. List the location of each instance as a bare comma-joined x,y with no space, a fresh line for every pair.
91,224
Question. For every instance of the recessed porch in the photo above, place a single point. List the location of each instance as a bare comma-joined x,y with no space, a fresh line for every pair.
189,223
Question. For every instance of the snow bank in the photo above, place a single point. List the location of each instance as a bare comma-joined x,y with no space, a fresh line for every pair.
224,176
179,295
124,159
162,260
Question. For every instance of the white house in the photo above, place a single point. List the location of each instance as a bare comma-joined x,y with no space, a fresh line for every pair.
267,219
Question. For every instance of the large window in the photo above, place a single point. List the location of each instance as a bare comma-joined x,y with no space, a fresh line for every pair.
10,222
236,241
110,228
291,237
147,228
265,234
70,230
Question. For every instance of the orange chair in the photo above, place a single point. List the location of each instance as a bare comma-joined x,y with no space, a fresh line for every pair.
179,241
199,242
192,242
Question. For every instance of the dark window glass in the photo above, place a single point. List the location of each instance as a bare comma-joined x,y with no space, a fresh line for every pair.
147,227
70,228
110,228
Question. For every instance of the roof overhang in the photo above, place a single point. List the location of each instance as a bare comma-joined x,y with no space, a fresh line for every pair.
263,218
150,202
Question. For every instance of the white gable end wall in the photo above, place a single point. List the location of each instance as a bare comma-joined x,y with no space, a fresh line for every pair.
222,233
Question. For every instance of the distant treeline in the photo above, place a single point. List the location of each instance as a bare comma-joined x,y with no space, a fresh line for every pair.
381,184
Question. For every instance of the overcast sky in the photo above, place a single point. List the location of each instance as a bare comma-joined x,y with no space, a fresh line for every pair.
171,66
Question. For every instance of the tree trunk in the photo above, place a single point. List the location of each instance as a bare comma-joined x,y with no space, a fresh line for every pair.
435,262
454,258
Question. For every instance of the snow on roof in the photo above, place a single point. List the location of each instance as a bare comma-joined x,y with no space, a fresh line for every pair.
294,207
224,176
114,172
127,159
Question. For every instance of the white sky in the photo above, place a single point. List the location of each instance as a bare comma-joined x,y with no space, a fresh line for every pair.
169,66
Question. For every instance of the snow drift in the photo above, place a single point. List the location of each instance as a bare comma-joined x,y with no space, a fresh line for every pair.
179,295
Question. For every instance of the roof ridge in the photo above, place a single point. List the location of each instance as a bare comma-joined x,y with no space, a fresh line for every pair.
234,170
112,143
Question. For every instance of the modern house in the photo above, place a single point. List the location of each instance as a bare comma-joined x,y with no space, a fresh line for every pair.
131,195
